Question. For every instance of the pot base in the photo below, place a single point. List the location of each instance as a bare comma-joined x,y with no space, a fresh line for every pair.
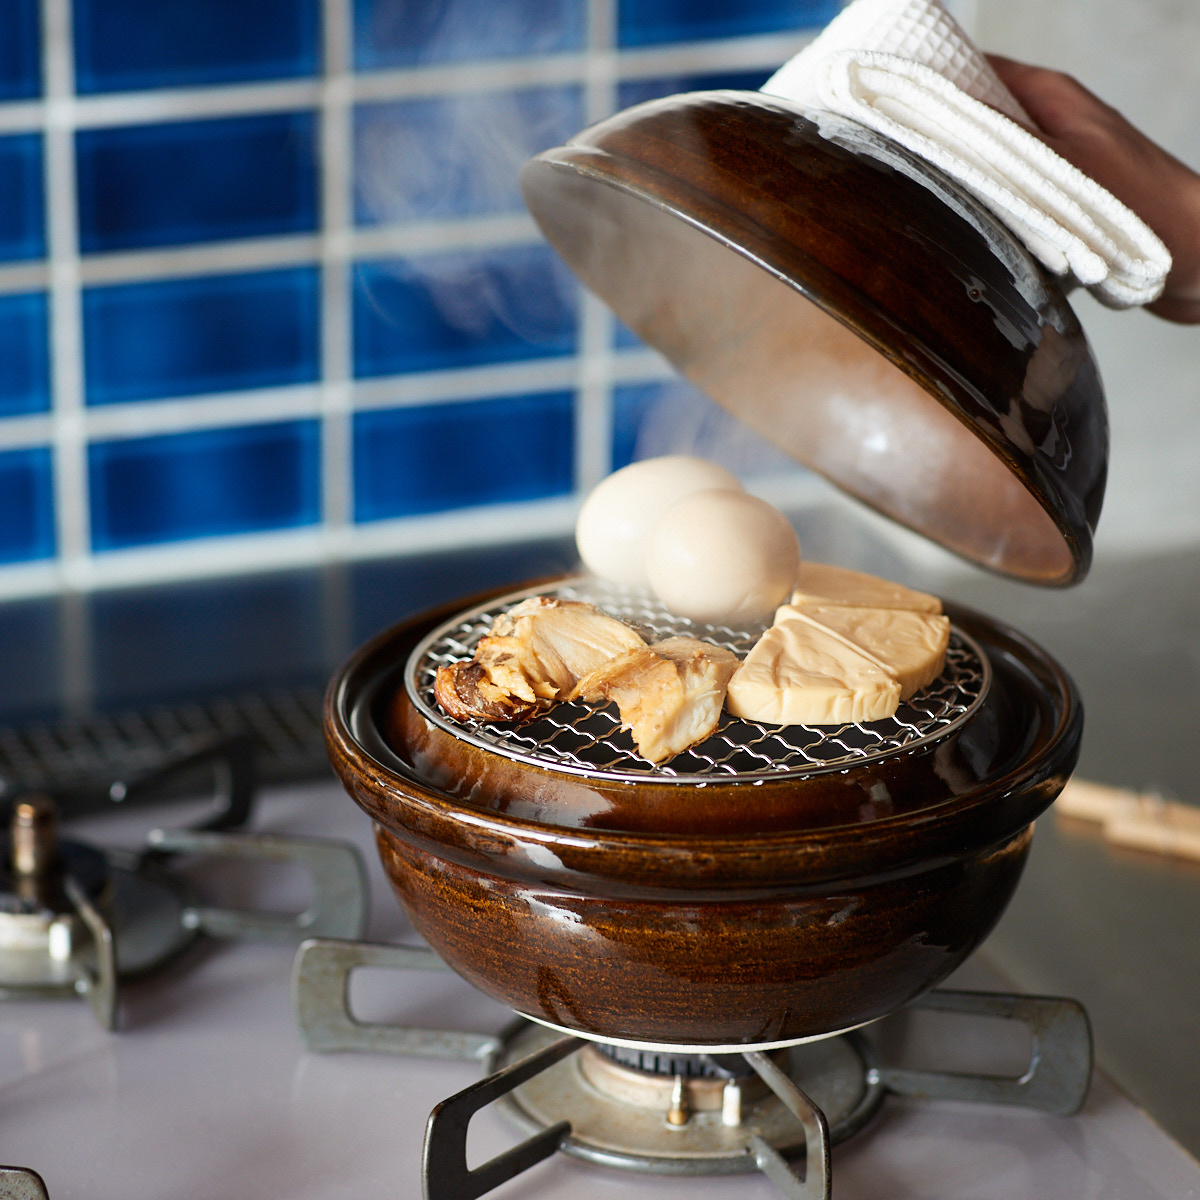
699,1048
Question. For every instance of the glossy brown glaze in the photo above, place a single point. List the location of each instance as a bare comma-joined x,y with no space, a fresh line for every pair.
852,305
703,972
765,932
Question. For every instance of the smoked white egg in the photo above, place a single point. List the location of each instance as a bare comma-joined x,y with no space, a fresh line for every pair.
723,557
619,514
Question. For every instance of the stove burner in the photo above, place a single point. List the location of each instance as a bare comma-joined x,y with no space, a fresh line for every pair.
698,1124
576,738
691,1066
596,1102
75,920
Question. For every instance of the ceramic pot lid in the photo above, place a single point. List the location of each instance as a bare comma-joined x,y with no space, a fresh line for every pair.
853,306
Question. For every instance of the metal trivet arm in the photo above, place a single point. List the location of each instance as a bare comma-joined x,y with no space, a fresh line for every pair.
444,1171
1060,1066
321,993
817,1182
90,917
20,1183
338,906
321,1001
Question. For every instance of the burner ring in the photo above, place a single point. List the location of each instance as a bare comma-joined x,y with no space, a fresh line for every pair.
837,1073
664,1063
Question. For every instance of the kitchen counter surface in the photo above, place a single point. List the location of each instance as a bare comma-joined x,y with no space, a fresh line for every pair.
1116,928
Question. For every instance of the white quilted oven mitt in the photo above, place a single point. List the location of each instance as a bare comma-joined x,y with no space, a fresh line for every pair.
906,69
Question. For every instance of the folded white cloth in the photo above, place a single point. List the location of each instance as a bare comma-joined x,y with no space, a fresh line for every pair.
907,70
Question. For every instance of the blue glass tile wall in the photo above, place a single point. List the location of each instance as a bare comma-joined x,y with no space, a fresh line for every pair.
179,337
436,457
455,155
196,181
27,529
25,376
653,22
20,50
461,310
405,33
22,220
124,44
271,275
203,484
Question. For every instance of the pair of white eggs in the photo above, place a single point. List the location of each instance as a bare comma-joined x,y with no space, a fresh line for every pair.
687,530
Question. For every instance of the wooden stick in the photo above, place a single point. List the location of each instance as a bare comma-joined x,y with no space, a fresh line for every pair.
1156,837
1142,820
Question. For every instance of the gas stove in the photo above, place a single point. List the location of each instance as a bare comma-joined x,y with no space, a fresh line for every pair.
207,1086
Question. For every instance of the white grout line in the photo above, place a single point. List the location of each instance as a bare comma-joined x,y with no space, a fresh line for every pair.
765,52
259,254
593,401
220,410
489,526
36,429
66,350
153,105
250,554
22,116
337,218
252,254
429,237
593,404
467,383
24,277
66,328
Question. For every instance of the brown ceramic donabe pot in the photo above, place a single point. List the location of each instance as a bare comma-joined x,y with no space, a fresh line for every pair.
741,915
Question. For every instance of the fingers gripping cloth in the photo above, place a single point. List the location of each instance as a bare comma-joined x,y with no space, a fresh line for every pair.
907,70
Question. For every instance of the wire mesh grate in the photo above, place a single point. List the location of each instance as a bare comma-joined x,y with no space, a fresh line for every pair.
584,740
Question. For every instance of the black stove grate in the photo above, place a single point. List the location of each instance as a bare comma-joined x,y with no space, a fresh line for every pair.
77,758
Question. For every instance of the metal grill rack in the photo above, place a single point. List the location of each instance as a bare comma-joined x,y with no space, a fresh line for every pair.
576,738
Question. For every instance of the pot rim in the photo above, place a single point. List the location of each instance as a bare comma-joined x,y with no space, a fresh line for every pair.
392,793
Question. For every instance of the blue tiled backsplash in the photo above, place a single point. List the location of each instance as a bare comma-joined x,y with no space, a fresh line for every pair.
267,289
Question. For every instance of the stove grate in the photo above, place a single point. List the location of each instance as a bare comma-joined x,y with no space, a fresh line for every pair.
76,758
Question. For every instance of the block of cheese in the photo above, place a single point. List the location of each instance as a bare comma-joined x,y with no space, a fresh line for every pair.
801,674
821,583
911,646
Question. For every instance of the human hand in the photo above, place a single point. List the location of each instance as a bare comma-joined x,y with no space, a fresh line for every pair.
1105,146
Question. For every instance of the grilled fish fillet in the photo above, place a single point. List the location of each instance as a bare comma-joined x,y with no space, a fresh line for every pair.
669,694
534,654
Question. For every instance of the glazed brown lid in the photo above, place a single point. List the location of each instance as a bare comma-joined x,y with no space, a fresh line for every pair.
853,306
